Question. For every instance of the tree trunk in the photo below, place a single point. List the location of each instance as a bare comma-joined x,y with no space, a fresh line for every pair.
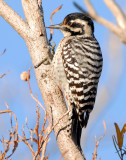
33,32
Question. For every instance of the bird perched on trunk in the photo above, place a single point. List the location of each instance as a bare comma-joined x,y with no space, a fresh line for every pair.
77,66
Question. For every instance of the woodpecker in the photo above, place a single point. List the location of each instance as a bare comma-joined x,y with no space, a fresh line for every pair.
77,66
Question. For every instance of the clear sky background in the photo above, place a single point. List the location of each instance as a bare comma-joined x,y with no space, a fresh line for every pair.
112,87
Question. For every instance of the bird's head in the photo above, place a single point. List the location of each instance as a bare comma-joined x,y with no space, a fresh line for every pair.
75,24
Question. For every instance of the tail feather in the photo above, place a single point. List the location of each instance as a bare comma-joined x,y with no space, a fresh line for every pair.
76,129
77,126
84,119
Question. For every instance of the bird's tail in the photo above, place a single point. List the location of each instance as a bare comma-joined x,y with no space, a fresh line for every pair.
78,122
76,129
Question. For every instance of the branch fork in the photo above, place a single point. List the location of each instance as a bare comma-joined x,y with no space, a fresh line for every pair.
33,32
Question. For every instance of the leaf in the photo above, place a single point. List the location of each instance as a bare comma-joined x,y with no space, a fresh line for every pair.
119,136
124,129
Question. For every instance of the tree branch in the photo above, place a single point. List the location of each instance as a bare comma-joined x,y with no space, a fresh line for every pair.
120,30
33,18
99,19
14,19
118,13
41,59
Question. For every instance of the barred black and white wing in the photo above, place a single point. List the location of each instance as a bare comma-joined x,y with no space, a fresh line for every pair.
83,65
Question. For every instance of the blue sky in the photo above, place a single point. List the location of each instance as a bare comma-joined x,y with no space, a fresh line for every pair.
16,93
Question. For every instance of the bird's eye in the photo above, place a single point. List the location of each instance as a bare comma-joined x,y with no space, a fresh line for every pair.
69,23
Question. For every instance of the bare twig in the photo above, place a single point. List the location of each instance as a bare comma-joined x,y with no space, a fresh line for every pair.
43,128
51,30
16,126
3,52
44,150
37,127
4,74
45,138
14,148
13,135
9,111
115,143
26,142
37,131
62,155
31,92
97,142
5,111
44,146
79,8
52,14
56,124
63,93
53,47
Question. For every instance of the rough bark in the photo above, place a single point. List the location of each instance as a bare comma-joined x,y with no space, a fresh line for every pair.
33,33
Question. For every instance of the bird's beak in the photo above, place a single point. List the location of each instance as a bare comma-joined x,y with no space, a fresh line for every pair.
58,26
